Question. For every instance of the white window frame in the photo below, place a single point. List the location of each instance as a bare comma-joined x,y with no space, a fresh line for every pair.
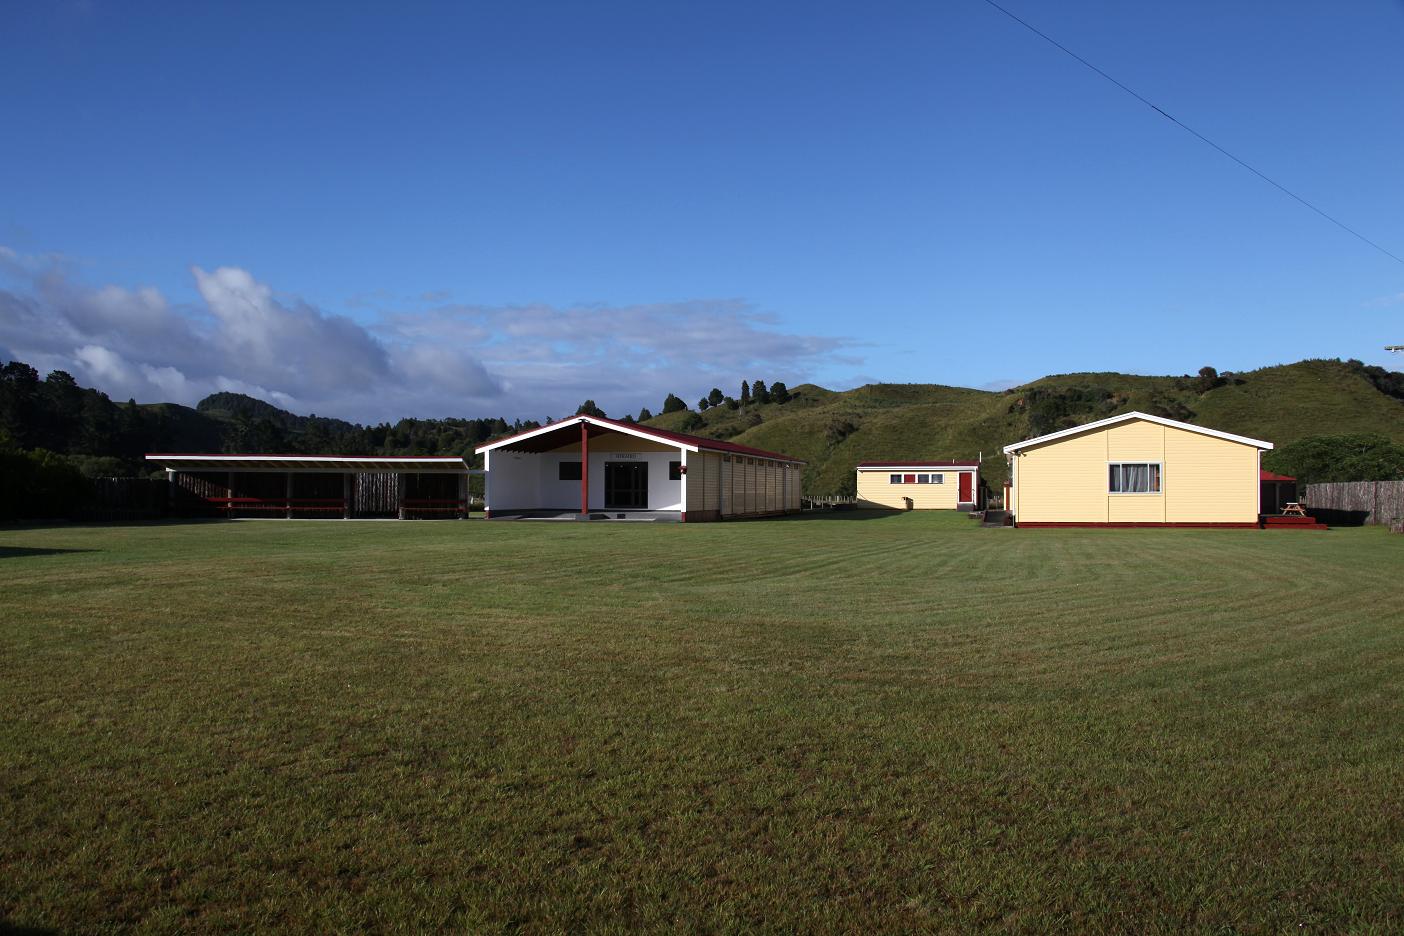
938,479
1160,476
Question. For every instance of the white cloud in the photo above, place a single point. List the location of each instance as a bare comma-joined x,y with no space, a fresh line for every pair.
450,360
105,367
999,384
1384,302
296,348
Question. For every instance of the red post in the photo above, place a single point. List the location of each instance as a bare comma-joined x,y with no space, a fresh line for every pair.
584,467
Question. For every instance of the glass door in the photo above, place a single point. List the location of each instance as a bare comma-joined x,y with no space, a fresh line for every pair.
626,485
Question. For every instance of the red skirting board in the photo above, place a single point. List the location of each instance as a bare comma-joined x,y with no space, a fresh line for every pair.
1093,525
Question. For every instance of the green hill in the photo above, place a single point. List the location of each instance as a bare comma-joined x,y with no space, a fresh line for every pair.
834,431
233,407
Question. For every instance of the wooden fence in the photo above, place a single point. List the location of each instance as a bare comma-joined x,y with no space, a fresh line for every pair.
1350,503
826,501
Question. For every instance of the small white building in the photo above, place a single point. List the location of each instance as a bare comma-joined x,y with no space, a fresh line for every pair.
597,468
919,485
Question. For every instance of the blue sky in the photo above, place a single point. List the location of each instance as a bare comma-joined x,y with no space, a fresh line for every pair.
476,209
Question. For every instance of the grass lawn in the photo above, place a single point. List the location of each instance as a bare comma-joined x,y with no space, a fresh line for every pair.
900,723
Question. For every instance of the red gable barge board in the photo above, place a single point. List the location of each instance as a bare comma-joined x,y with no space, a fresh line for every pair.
596,425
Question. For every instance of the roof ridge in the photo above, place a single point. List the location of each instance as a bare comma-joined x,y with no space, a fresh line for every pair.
699,442
1137,414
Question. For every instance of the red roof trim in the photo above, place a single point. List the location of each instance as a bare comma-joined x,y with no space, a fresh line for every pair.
711,445
899,463
1264,475
302,457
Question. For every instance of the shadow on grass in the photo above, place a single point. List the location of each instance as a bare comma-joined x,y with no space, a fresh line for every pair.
89,524
14,929
1353,518
17,552
840,515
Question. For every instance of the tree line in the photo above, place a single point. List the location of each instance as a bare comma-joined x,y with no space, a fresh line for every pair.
751,392
82,426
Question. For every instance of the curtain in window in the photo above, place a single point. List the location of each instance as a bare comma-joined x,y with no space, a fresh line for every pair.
1134,479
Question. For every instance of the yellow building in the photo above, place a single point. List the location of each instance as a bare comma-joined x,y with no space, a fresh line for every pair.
919,485
1136,470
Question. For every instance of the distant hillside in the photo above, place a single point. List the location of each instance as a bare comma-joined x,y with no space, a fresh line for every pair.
834,431
54,416
236,406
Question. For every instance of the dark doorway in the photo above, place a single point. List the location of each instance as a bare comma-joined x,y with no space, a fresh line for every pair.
626,485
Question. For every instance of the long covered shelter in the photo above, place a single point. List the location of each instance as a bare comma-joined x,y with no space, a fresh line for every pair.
404,487
589,467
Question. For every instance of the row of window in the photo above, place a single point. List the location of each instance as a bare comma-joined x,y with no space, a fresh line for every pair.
570,471
916,479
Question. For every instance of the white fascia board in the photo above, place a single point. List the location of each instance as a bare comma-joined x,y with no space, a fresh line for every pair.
609,426
1125,417
368,459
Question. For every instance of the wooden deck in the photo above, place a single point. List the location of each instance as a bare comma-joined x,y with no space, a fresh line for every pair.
1277,522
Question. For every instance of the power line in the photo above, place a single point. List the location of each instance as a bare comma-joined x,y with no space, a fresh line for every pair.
1193,132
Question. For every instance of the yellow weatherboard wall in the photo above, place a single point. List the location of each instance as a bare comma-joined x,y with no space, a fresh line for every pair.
1205,479
876,490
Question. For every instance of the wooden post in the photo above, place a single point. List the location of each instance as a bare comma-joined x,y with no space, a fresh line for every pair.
346,496
400,483
682,487
584,468
487,485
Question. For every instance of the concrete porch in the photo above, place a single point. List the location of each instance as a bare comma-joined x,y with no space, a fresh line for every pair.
616,516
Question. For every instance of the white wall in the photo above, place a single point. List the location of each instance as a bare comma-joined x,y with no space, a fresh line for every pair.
526,481
513,480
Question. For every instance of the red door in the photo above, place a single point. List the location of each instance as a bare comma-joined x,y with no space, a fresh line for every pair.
965,483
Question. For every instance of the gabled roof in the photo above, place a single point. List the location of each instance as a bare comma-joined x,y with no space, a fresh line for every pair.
352,463
1127,417
916,464
690,442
